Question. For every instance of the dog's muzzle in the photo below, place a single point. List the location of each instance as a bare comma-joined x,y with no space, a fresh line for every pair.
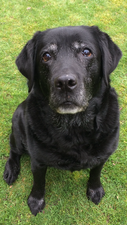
67,95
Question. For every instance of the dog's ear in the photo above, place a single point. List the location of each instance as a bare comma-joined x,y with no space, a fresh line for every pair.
110,52
26,60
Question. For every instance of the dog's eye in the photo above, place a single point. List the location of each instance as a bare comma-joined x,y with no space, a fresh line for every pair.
46,57
86,52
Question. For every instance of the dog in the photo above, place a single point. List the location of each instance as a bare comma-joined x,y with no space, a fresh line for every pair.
70,119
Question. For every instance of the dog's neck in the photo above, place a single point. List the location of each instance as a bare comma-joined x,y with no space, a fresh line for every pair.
71,121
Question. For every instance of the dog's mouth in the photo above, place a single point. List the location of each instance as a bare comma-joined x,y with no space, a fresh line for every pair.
68,107
67,103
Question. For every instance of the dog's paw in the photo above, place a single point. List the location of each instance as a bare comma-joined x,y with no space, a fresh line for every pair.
36,205
95,195
11,171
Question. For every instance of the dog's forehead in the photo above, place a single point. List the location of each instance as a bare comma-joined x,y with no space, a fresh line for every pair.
68,35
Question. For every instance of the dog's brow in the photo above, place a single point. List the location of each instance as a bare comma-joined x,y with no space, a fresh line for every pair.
53,47
76,45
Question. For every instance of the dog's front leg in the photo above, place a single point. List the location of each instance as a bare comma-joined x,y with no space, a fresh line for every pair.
95,191
36,200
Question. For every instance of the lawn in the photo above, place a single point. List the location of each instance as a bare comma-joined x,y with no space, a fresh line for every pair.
66,202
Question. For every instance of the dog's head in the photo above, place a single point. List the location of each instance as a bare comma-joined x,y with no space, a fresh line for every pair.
68,64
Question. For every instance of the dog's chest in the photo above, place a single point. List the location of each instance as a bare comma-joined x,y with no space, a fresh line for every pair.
70,149
64,147
67,139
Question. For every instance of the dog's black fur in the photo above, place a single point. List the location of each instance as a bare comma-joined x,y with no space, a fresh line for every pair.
70,119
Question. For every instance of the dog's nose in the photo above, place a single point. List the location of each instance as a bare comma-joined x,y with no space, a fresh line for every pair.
66,82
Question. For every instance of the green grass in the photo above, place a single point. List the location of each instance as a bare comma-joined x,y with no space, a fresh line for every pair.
66,202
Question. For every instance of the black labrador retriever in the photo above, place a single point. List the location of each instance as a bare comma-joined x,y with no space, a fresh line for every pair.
70,119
